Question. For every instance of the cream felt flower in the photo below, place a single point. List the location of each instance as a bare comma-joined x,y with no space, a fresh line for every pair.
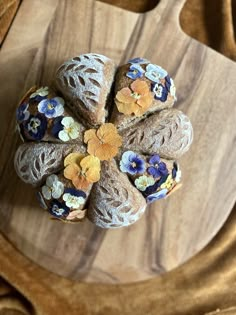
53,188
71,129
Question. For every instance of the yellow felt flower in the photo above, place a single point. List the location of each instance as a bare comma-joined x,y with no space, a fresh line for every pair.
104,142
136,100
168,183
82,170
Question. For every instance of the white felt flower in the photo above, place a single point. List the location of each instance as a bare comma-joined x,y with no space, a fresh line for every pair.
73,201
43,91
178,176
70,130
53,188
172,88
143,182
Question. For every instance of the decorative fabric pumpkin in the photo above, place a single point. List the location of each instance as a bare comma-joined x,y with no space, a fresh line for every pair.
103,142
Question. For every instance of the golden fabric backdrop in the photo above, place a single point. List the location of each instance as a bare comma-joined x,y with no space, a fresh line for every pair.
204,285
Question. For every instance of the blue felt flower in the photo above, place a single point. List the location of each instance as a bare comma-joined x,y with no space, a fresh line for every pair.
155,73
132,163
158,168
57,126
136,71
22,112
152,189
35,127
170,86
52,107
140,61
156,196
58,209
160,92
168,82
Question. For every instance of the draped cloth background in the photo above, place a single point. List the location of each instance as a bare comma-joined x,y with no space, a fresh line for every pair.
204,285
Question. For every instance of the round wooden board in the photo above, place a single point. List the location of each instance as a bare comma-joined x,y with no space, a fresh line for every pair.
172,230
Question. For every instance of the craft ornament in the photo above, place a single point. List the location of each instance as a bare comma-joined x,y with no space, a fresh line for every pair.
97,157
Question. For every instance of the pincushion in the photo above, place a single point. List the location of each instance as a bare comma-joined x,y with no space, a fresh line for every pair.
103,143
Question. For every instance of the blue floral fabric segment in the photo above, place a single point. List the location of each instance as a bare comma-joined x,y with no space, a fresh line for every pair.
151,189
150,175
22,112
58,209
140,61
156,196
35,127
160,92
51,108
132,163
57,126
157,168
155,73
135,72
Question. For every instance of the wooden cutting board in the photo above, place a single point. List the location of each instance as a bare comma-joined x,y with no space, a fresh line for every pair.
43,35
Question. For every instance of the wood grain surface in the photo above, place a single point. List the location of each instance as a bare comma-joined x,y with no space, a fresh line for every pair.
46,33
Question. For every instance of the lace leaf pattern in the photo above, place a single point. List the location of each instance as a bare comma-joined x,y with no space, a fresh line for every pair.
171,138
83,78
114,202
34,162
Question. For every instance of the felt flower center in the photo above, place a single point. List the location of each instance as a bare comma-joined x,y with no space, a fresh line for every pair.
50,106
136,95
34,124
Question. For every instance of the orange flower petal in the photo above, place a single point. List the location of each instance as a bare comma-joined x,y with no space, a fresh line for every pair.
76,214
124,95
140,87
126,109
139,111
80,182
145,101
108,133
106,152
90,134
73,158
93,145
71,171
176,187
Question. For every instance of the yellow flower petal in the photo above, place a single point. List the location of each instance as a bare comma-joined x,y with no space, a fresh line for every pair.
73,158
71,171
91,168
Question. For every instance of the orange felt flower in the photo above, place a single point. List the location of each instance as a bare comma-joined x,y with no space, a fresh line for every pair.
136,100
104,142
82,170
